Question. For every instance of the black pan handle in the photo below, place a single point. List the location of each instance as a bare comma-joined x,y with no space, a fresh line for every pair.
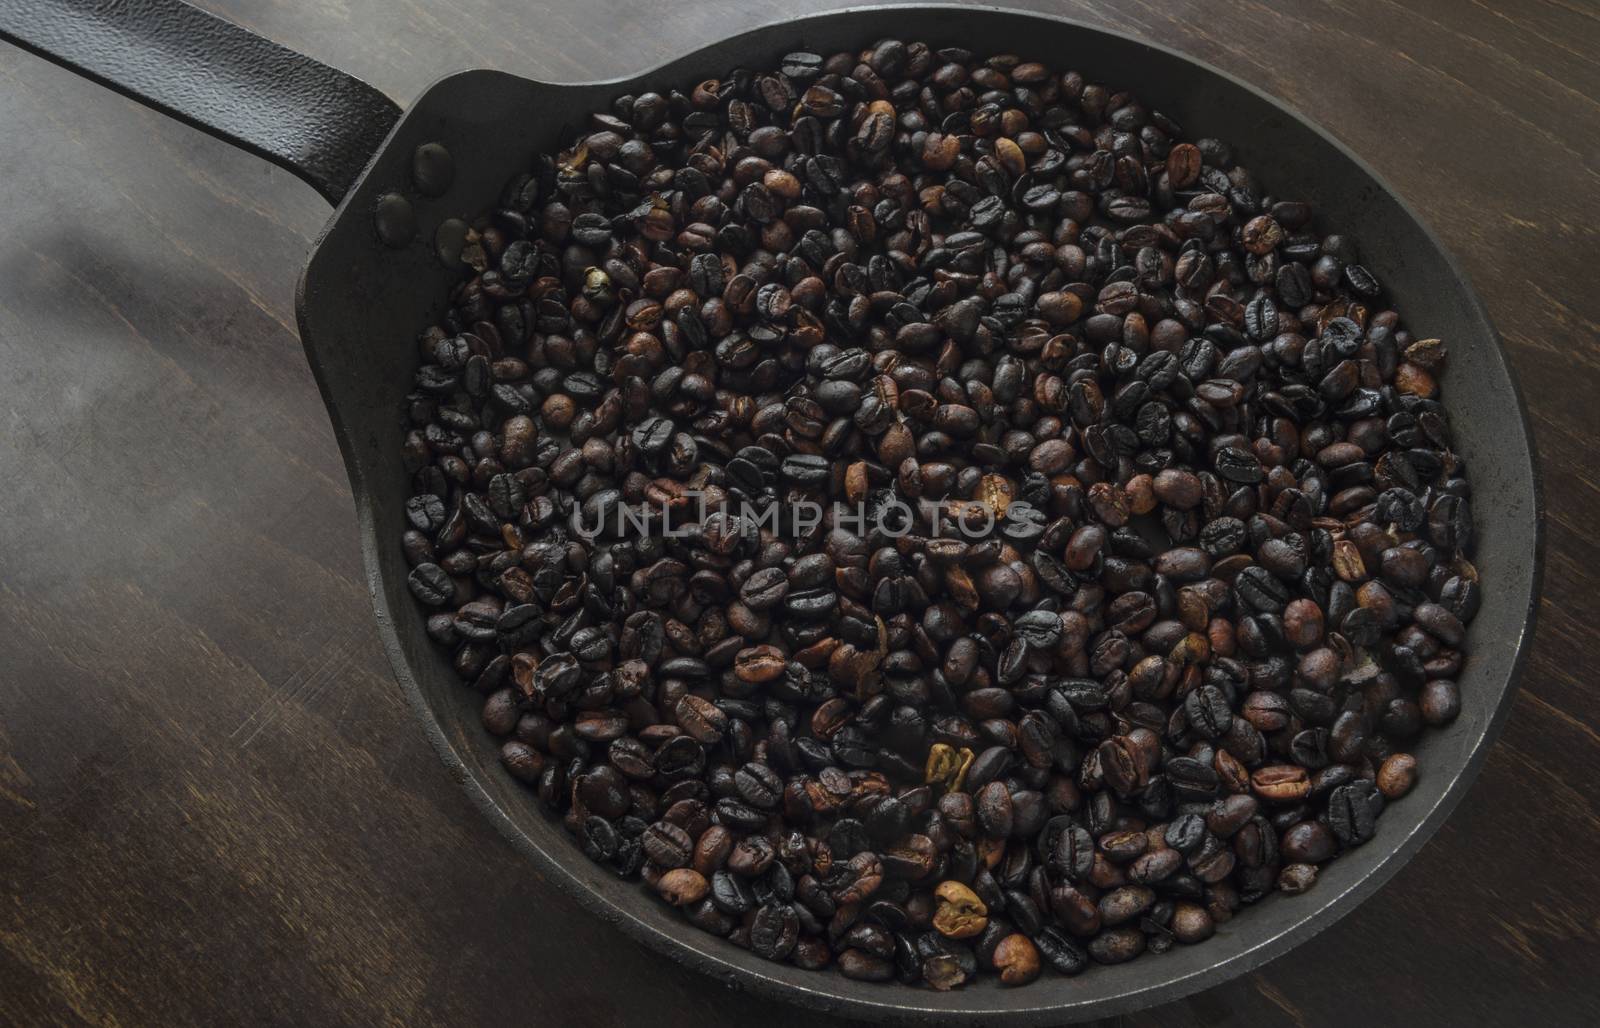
314,120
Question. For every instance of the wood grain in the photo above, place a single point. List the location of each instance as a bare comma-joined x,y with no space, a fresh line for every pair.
213,806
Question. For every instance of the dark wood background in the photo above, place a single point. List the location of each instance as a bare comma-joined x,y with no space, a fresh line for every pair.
214,807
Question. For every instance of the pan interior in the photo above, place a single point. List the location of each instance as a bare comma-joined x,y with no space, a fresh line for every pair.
362,305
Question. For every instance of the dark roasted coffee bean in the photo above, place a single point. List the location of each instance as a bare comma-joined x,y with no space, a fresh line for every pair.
1238,465
995,812
758,785
1069,849
764,589
1353,811
431,585
1060,951
667,844
774,932
864,966
1208,712
1117,945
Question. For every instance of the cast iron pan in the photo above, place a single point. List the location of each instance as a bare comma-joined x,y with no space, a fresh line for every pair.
362,302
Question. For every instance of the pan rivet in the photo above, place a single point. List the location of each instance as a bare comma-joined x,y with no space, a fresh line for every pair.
395,221
450,240
432,169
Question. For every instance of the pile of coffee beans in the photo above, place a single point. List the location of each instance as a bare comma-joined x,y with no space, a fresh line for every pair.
1150,555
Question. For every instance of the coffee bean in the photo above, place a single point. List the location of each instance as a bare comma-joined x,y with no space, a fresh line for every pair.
758,785
1309,842
995,811
1069,849
701,719
1297,878
1117,945
863,966
1280,783
1353,811
430,584
667,844
525,763
682,886
1125,904
1192,923
765,589
1017,960
1397,775
960,914
774,932
1208,712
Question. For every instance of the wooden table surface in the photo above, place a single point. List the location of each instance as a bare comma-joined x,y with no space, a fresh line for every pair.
214,807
